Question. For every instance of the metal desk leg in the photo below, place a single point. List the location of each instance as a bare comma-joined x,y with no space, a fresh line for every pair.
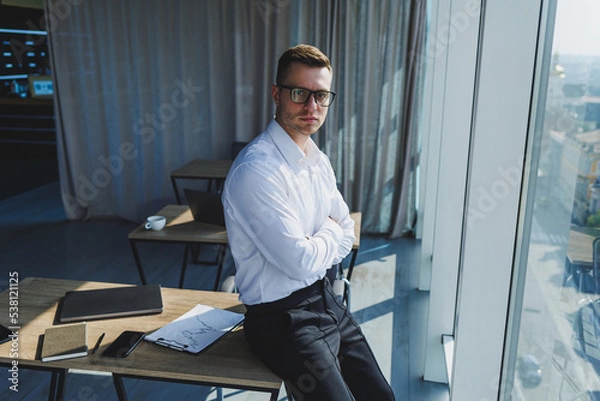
184,265
52,390
174,183
352,261
119,387
195,252
138,263
57,385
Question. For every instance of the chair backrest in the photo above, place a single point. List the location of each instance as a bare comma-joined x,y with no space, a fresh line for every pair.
236,148
205,206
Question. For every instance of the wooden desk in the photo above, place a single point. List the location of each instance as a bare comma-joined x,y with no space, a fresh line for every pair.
201,169
228,363
181,228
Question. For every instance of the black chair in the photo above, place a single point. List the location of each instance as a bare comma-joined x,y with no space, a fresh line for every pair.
206,207
236,148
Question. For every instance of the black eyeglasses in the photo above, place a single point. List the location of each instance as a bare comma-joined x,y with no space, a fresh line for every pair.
302,95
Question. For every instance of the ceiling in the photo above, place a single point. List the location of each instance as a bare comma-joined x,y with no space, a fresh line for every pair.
39,4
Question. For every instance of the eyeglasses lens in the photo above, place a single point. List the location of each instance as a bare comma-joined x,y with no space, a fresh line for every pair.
299,95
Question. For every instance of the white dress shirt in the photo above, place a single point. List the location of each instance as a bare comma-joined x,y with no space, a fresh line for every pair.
287,223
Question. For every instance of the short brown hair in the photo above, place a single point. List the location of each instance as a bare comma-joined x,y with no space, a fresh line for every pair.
305,54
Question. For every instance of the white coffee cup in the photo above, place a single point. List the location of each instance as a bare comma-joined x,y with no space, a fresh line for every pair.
155,223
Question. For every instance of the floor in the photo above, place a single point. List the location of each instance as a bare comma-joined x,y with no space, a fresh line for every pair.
37,240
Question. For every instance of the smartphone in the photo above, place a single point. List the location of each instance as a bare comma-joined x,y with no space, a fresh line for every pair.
4,334
124,344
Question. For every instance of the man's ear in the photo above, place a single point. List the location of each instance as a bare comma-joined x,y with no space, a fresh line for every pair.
275,94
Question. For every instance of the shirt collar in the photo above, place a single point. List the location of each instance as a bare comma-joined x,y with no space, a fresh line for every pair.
288,148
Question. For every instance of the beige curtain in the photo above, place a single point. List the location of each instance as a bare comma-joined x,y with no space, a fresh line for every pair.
144,86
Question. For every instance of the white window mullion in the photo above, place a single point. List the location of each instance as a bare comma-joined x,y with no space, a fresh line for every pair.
453,42
503,101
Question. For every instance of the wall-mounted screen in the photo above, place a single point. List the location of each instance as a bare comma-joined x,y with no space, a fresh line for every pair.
41,87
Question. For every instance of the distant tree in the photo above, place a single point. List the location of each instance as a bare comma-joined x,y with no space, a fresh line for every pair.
594,220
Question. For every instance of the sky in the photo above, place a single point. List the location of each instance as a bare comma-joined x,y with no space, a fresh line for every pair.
577,27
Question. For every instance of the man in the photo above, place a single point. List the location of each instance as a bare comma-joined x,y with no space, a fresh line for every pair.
287,225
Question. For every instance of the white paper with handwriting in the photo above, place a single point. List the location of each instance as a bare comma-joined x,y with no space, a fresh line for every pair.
196,329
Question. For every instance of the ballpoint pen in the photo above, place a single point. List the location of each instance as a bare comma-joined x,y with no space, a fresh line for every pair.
98,343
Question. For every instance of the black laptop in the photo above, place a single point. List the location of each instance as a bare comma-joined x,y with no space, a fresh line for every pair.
205,206
108,303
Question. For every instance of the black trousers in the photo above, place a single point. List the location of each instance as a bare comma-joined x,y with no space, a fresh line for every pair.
311,341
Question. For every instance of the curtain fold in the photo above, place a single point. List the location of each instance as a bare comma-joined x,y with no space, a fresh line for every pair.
404,222
144,86
367,140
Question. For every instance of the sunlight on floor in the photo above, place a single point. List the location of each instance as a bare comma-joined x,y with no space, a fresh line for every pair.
372,289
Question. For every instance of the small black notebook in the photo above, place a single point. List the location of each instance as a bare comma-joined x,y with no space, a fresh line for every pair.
110,302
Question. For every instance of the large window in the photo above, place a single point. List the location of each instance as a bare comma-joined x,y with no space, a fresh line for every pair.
553,342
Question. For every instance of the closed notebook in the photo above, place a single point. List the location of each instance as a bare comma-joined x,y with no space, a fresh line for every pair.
105,303
64,342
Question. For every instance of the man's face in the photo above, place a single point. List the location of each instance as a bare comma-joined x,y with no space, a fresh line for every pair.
301,120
